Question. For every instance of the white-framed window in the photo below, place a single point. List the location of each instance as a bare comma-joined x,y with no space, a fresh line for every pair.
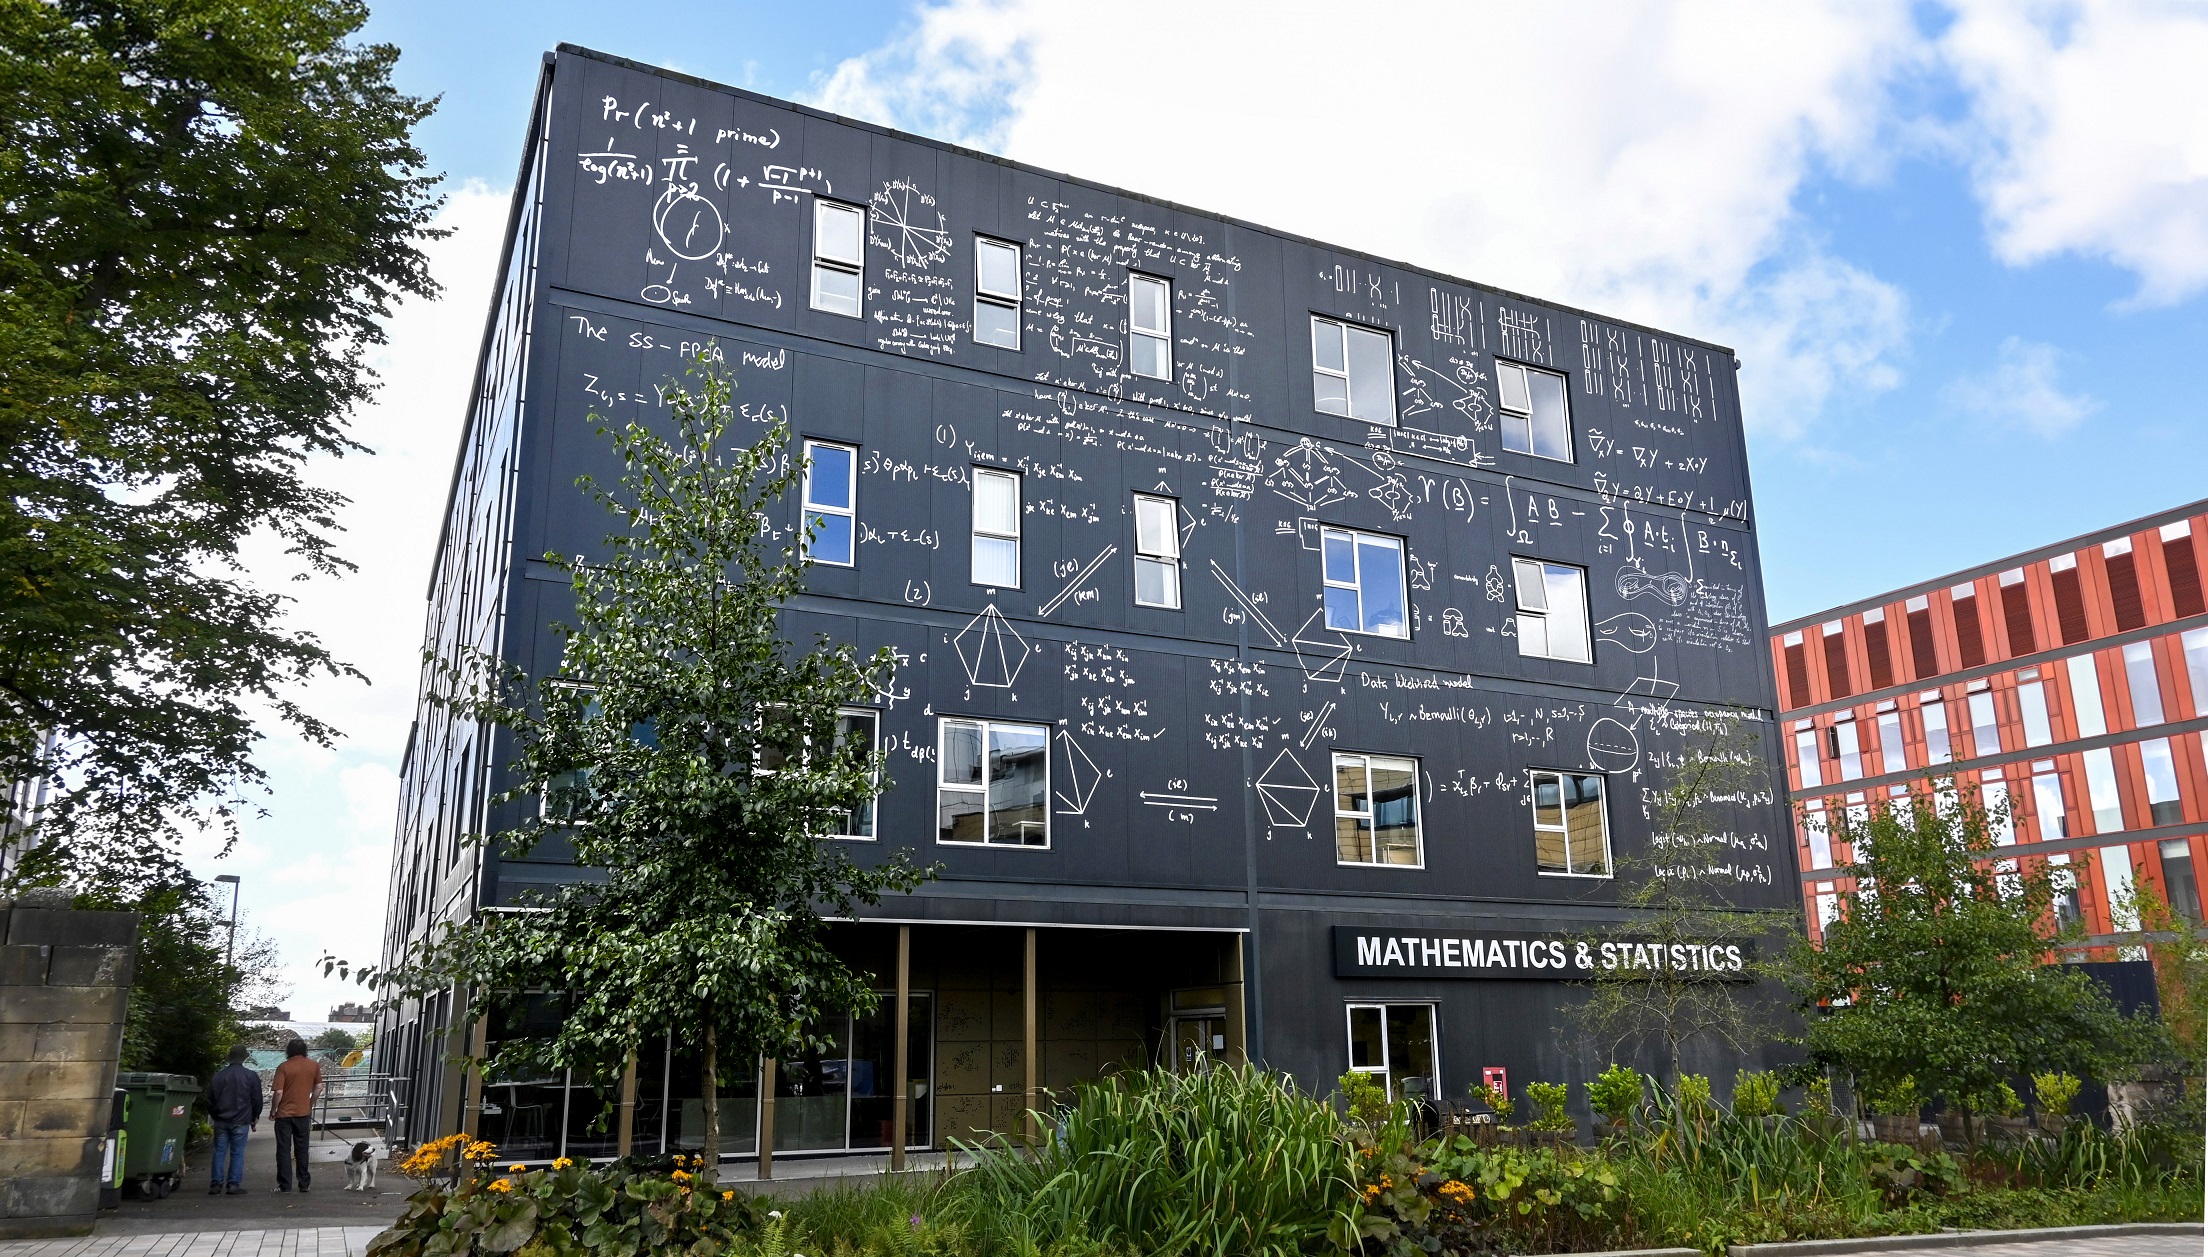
1395,1044
1552,611
1536,411
1891,748
858,732
1847,747
993,784
2195,646
1571,830
996,528
2031,698
1376,810
567,794
2100,791
1363,575
839,256
1150,327
2086,713
2146,684
1352,371
2160,769
1937,748
996,293
1157,552
2065,878
831,499
2049,809
1985,727
1817,832
1806,756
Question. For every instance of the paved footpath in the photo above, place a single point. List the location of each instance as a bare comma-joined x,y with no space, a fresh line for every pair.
312,1241
2099,1246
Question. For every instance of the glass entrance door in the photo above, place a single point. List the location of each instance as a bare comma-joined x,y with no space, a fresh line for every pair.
1196,1039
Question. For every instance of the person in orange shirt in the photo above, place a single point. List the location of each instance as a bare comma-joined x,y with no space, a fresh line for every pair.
296,1081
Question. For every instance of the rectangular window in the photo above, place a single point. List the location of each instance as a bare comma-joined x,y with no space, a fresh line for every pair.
1805,757
996,528
1571,833
1985,730
2146,686
1157,552
1363,576
2065,879
1847,748
2196,667
831,490
1395,1044
1890,745
839,256
857,733
2100,791
1352,371
2116,885
1150,327
1376,810
1552,611
994,784
1536,413
996,293
1993,792
2160,767
2047,802
1817,834
2177,878
2032,697
2085,698
1937,750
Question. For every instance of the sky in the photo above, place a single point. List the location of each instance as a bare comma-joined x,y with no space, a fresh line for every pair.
1961,250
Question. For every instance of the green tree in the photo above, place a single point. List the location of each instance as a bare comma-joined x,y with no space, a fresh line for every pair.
1937,968
183,1000
205,208
1685,892
691,753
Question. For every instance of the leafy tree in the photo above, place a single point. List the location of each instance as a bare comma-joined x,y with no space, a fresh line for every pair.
333,1042
205,208
1938,970
182,1017
2178,946
689,752
1685,891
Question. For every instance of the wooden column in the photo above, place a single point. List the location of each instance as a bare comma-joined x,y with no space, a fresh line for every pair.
902,1068
1027,1052
766,1119
471,1086
625,1130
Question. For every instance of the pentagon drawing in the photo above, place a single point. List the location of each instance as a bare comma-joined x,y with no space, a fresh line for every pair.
992,650
1288,793
1323,652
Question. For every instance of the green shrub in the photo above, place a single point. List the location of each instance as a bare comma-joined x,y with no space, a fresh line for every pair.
1366,1100
1756,1094
1503,1105
1615,1092
1549,1101
616,1211
2005,1101
1817,1097
2055,1091
1895,1098
1693,1093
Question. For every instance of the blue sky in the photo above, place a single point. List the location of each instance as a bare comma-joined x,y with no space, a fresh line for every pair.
1961,249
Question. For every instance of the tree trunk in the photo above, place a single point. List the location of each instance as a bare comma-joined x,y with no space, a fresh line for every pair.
709,1074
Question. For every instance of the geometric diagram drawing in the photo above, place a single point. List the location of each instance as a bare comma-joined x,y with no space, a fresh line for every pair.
1198,802
1430,389
1614,745
688,224
1288,792
992,650
900,210
1081,773
1249,608
1318,723
1323,653
1080,578
1628,630
1671,587
1306,476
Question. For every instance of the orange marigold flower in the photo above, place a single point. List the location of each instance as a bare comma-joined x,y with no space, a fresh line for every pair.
517,1168
728,1195
501,1185
481,1150
561,1163
680,1176
1457,1192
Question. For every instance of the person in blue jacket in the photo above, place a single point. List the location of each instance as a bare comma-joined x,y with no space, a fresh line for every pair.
234,1103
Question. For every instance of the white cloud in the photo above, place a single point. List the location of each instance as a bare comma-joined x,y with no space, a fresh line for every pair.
1641,162
2089,133
2023,390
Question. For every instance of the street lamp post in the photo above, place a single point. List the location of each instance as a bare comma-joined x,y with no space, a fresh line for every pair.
229,953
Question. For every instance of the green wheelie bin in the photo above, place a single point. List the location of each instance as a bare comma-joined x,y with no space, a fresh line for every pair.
159,1122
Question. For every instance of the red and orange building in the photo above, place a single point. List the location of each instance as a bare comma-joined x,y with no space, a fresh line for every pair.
2069,684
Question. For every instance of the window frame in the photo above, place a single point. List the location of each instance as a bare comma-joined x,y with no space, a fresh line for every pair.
1564,831
807,508
1386,1069
853,267
1371,814
1019,503
874,803
1503,407
1164,337
1342,329
1013,301
943,725
1521,611
1170,562
1356,537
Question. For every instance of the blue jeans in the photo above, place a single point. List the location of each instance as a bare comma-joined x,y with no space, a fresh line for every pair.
229,1156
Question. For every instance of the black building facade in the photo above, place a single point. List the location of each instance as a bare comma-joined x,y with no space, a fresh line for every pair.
1290,640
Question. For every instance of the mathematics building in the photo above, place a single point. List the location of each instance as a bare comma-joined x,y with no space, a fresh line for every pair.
1289,638
2069,684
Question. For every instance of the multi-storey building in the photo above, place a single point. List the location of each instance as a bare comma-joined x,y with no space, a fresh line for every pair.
2067,685
1289,638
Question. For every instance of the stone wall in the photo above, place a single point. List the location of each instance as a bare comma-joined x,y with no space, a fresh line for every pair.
64,985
